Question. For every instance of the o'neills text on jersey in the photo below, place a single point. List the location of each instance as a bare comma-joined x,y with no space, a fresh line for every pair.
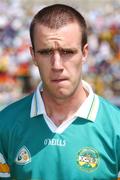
55,142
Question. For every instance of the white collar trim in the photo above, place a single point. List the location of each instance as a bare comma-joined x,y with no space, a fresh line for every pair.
88,110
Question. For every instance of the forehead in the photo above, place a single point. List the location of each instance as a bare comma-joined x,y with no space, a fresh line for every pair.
69,34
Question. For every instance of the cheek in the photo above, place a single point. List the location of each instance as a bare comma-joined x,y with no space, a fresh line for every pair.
44,72
78,65
43,69
75,70
75,66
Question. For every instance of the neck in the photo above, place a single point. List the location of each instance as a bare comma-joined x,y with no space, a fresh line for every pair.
60,110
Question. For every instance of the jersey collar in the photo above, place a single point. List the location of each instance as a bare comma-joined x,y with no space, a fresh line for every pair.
88,110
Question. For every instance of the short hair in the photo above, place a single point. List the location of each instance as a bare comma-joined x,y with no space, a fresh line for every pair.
56,16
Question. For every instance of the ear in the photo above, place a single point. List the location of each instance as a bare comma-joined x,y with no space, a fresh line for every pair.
33,55
85,53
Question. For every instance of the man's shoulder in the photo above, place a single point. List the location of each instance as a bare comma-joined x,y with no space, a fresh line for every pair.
108,117
25,101
16,109
108,104
108,108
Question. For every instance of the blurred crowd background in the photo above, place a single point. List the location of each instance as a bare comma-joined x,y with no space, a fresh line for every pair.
18,75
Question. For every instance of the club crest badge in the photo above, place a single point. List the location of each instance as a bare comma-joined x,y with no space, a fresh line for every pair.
23,156
88,159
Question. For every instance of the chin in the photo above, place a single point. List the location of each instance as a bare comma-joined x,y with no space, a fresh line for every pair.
63,95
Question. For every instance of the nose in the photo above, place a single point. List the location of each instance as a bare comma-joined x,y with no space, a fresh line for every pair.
56,61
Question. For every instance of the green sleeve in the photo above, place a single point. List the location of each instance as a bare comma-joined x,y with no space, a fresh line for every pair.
4,167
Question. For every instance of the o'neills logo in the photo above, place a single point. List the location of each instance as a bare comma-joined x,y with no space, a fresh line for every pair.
55,142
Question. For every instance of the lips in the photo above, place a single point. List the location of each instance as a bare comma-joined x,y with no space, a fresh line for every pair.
59,80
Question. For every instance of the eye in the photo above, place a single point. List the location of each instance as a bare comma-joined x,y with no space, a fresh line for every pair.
67,52
45,52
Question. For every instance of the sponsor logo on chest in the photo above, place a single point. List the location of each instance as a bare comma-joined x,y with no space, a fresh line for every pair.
54,142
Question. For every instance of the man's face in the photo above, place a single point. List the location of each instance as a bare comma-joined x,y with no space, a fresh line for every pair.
59,57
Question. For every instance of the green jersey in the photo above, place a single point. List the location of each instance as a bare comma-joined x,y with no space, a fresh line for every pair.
85,150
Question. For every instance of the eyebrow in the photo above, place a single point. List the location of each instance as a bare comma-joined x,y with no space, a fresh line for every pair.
59,49
44,49
69,49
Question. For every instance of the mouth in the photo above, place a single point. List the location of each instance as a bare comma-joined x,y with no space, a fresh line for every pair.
59,80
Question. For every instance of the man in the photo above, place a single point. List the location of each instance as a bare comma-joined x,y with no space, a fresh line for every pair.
63,131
